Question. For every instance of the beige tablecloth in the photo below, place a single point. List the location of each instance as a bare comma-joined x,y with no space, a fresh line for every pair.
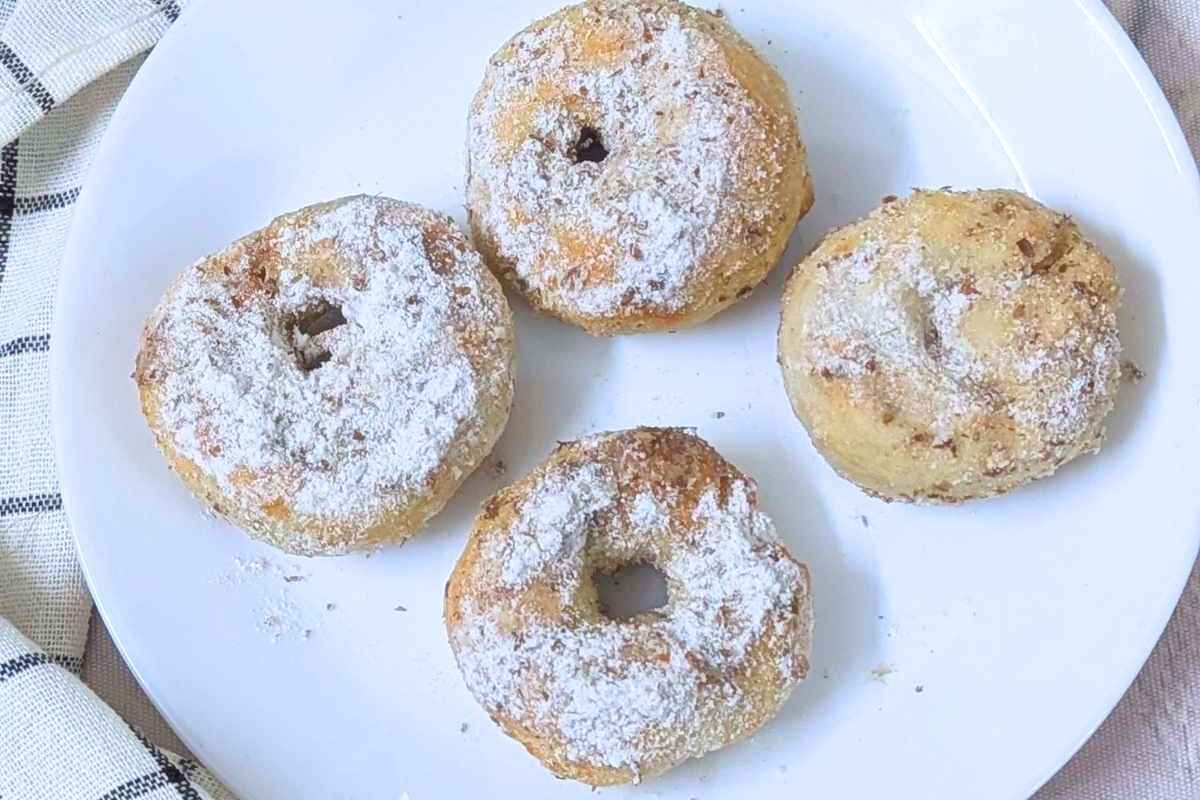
57,740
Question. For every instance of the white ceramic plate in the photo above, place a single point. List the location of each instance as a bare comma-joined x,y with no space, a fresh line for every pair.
960,652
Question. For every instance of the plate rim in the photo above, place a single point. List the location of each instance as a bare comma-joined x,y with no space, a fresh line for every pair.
1116,41
1119,43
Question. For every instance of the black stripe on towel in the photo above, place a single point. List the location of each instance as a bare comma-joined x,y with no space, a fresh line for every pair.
25,77
25,344
30,504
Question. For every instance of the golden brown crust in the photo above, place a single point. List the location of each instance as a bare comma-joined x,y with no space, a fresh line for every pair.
692,206
347,252
952,345
726,658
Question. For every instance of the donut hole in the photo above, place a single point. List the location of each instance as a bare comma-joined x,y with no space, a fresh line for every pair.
306,329
589,147
931,338
630,590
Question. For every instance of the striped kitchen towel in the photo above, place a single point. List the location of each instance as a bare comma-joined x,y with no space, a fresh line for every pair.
64,64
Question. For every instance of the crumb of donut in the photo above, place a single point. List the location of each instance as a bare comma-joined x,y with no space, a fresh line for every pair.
1131,372
880,672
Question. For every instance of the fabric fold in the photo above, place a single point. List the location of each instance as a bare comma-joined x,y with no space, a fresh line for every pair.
59,740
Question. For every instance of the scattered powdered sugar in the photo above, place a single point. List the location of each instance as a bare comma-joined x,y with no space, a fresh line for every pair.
282,618
396,390
279,612
629,694
252,570
636,227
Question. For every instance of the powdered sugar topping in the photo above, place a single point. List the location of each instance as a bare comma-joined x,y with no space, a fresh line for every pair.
903,320
630,694
885,314
337,420
636,228
647,513
553,524
734,580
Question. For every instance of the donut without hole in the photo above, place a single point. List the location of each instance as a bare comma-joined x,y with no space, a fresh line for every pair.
952,345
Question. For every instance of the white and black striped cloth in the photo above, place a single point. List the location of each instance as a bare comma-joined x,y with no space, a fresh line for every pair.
58,740
63,66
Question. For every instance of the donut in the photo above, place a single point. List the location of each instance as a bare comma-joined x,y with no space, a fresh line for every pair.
327,382
607,701
633,166
952,345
